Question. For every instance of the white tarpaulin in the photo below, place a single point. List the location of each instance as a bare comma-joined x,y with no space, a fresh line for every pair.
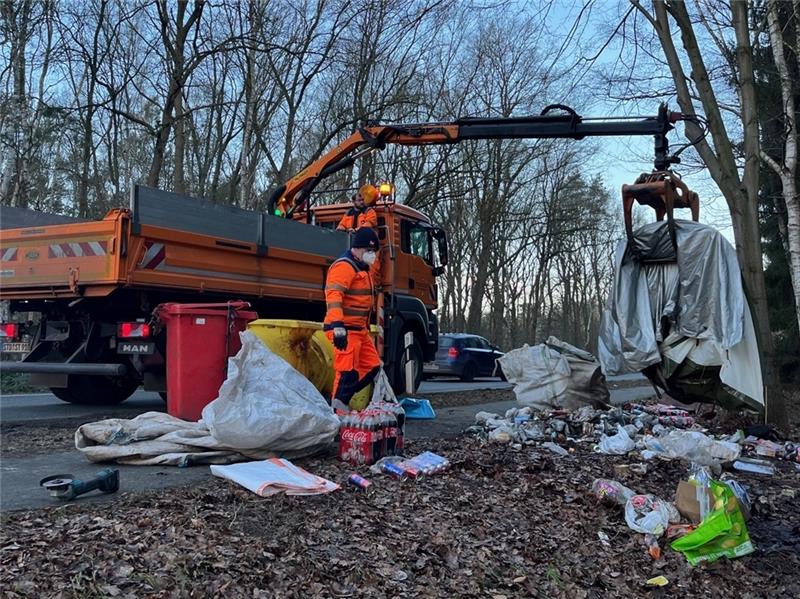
682,317
265,408
554,374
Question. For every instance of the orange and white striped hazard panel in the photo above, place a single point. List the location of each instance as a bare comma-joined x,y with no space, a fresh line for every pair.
154,256
78,249
9,254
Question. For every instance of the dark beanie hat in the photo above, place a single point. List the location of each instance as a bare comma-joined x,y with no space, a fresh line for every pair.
365,237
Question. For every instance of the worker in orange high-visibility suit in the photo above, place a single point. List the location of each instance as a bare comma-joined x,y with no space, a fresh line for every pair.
362,214
350,295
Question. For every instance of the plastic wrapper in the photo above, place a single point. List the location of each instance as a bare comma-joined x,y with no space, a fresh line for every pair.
723,533
618,444
611,492
648,514
693,446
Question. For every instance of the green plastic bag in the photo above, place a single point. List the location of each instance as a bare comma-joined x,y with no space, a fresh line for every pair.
722,533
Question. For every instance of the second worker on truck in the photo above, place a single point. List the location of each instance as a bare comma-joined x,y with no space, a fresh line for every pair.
349,295
362,214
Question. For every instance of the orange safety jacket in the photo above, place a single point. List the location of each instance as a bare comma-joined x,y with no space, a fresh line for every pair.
349,294
355,219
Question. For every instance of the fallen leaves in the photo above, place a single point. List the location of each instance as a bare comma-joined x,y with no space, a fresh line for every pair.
500,523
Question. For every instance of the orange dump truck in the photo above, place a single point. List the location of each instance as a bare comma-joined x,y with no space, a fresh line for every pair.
92,282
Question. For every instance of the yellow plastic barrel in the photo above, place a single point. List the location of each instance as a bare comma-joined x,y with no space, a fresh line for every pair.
304,345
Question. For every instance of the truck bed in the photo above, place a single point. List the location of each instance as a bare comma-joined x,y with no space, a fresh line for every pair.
169,241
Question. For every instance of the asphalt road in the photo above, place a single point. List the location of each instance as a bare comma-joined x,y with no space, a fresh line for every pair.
44,406
20,476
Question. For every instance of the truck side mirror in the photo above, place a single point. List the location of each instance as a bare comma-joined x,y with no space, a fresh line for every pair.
441,242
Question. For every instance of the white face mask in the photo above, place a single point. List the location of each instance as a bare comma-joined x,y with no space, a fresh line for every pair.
369,257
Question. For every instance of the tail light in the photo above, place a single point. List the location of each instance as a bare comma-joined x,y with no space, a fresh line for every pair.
9,330
452,352
133,330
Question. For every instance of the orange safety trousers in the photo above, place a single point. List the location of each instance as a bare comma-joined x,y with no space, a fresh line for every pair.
356,366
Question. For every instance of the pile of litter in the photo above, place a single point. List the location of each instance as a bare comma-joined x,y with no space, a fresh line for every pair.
716,507
656,431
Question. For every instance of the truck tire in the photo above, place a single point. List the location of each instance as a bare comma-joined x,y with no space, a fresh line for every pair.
399,378
96,390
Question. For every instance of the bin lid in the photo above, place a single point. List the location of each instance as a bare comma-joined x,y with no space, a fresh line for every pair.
171,309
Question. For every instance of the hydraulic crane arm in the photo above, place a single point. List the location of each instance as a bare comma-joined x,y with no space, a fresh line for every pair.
555,122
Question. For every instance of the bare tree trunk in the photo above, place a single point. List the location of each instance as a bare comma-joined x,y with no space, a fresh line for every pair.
16,29
740,194
787,170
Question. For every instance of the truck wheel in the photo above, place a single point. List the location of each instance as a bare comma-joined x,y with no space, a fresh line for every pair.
96,390
399,379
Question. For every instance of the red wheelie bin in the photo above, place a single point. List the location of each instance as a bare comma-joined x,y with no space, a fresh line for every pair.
200,338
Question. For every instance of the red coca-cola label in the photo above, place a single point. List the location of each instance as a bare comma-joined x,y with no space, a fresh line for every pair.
356,446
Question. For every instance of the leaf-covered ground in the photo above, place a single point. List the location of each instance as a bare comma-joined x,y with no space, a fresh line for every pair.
500,523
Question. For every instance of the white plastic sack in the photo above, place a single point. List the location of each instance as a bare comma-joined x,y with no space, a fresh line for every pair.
539,374
649,514
618,444
267,404
692,446
382,389
554,374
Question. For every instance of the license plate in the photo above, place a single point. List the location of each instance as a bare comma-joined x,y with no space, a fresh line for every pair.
430,366
132,347
19,347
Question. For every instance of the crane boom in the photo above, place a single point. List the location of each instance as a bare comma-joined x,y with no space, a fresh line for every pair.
566,124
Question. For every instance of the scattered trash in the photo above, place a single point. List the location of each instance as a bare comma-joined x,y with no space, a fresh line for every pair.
741,495
427,463
393,469
604,540
619,444
66,487
723,533
754,466
271,477
762,431
377,467
556,449
658,581
675,531
501,435
611,492
653,548
625,470
769,449
693,501
359,481
693,446
418,409
649,514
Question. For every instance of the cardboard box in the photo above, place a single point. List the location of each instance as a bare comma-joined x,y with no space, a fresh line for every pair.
687,502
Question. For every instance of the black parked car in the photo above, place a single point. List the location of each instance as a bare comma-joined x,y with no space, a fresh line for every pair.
464,355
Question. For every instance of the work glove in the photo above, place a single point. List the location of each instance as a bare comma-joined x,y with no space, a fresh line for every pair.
340,338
